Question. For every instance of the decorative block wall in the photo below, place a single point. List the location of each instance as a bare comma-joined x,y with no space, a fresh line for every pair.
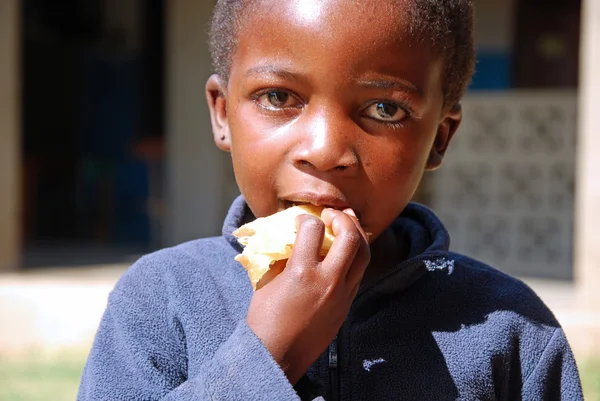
505,191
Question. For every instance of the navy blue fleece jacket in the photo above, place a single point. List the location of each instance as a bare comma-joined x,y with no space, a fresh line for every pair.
440,326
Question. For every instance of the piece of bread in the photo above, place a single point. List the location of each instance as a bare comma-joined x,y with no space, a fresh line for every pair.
268,240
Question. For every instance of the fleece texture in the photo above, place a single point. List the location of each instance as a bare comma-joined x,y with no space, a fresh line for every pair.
440,326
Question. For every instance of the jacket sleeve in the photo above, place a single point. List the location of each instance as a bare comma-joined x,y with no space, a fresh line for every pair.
555,376
140,353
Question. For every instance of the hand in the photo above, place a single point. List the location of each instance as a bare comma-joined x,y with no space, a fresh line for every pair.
298,314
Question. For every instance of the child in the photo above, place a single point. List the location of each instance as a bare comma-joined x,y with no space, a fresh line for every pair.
343,104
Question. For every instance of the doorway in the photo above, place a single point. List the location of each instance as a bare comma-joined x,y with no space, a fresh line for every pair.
92,118
547,44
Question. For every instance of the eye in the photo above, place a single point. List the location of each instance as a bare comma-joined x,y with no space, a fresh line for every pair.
387,112
277,100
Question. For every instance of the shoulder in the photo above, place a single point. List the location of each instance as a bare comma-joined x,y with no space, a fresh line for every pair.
479,314
199,265
474,293
502,289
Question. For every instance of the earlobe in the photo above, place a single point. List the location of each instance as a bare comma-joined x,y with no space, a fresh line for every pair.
217,106
446,131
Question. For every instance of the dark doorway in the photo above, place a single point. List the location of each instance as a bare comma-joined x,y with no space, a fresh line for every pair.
547,44
92,104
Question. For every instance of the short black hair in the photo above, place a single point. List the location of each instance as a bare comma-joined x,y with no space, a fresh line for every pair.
447,24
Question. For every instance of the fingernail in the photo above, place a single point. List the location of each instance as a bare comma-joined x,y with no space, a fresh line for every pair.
350,212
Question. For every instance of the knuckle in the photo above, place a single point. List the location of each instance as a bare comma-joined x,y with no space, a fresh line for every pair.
311,223
352,238
303,275
330,291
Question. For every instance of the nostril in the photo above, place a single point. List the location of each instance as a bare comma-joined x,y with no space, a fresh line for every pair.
304,163
341,168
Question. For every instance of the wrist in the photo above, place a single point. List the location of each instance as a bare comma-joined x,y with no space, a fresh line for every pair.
277,347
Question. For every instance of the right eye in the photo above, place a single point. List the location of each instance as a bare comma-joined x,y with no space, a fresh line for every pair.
277,100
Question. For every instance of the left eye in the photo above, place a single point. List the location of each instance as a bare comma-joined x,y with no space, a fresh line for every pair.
387,112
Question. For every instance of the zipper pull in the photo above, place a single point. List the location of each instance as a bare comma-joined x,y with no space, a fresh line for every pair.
333,353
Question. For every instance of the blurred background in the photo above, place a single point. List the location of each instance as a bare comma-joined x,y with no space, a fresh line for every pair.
106,154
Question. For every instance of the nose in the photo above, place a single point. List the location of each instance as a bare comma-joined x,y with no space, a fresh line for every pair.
326,144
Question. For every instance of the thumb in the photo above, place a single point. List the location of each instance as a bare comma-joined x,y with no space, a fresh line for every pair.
309,241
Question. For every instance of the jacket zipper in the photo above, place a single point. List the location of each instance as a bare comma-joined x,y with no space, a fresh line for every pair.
334,379
334,374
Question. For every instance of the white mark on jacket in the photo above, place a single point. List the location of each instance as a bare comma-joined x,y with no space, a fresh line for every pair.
368,364
440,264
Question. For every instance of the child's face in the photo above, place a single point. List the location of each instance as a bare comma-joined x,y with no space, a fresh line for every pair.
330,102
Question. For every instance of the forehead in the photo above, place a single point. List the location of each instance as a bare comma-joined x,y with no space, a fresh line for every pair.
334,18
346,35
383,15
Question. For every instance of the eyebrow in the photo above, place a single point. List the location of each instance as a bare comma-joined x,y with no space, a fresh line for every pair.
391,84
263,70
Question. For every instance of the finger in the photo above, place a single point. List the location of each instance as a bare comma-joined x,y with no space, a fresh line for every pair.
357,270
361,260
347,242
329,214
354,292
352,215
363,256
367,235
309,240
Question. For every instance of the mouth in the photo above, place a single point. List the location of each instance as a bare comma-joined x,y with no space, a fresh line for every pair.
309,198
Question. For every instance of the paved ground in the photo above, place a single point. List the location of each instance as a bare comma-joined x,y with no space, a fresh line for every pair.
53,308
56,308
581,323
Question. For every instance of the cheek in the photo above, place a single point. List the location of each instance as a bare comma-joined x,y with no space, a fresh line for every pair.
246,116
256,159
255,183
398,163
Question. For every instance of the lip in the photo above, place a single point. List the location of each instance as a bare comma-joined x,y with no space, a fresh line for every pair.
318,199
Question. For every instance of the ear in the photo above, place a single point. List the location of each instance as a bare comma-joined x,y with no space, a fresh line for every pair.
217,106
446,131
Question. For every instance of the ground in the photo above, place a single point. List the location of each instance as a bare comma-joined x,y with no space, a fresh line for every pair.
33,377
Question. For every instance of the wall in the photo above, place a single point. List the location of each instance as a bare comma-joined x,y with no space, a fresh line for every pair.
505,191
494,28
494,24
587,231
199,179
9,135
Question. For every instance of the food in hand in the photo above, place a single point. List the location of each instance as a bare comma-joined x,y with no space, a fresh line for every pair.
269,240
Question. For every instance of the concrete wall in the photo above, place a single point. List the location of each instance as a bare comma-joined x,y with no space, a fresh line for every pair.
199,178
10,221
